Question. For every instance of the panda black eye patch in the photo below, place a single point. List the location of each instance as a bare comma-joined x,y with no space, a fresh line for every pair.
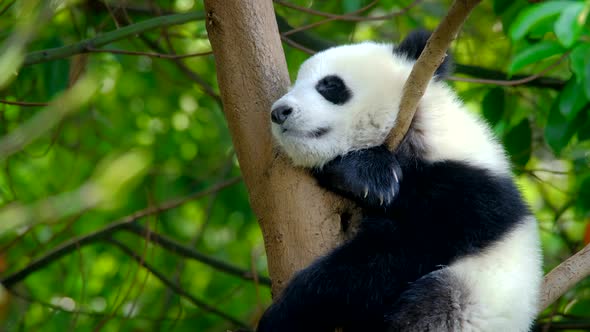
333,89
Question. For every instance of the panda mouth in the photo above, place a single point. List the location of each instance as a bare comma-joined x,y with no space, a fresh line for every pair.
317,133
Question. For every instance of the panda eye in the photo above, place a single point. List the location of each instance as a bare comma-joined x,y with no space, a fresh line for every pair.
333,89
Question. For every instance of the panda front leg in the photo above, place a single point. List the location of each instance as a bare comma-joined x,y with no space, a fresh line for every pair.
371,177
348,288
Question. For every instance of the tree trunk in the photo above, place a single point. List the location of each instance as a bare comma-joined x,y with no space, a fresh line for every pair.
299,221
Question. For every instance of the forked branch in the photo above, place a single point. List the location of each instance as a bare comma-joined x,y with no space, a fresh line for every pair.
432,56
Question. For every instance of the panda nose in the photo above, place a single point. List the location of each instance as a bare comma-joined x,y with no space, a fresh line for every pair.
280,114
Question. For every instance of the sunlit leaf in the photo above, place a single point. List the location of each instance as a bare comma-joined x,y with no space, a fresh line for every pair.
533,54
534,14
568,27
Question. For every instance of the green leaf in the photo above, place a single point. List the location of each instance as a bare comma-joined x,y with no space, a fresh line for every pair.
500,6
55,77
351,5
584,204
493,105
580,60
534,14
580,65
533,54
512,11
584,130
518,143
559,130
571,100
568,26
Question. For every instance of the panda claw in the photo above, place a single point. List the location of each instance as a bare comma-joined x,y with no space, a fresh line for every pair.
380,199
366,192
395,176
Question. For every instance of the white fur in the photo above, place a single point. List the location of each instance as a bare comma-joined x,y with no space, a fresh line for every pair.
451,132
503,282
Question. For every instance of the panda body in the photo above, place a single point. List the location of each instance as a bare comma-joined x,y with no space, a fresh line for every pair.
446,242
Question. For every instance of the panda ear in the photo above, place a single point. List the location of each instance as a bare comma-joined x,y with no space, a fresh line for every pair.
413,45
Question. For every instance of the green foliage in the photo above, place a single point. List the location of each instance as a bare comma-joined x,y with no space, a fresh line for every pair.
153,132
534,53
568,34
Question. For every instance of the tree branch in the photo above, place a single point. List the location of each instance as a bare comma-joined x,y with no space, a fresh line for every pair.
75,243
23,103
148,54
109,37
173,286
517,80
432,56
207,89
564,277
187,252
492,74
348,17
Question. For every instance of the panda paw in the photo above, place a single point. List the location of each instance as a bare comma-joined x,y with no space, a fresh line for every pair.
371,177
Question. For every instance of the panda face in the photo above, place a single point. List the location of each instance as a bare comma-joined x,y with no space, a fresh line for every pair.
344,99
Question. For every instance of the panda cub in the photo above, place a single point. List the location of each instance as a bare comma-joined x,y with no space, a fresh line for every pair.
446,242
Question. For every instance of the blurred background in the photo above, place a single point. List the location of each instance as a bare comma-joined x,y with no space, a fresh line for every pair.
121,202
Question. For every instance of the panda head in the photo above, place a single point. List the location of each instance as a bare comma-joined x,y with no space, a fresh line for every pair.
345,98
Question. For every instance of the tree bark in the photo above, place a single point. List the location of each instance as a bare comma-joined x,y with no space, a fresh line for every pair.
299,221
564,277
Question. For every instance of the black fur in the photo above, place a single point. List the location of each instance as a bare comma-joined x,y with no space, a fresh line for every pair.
441,212
333,89
413,45
440,294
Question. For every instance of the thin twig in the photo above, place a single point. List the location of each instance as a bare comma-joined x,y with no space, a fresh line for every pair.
348,17
187,252
112,36
8,5
96,314
513,82
296,45
176,288
432,56
148,54
23,103
322,22
68,246
207,89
